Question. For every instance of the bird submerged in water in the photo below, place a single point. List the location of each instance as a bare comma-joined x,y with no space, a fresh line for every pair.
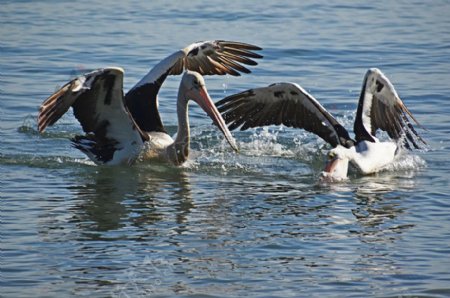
379,107
117,126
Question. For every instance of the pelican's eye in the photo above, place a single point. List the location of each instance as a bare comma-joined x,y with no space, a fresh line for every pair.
331,155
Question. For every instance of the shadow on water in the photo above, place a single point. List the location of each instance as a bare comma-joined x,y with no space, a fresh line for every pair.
110,198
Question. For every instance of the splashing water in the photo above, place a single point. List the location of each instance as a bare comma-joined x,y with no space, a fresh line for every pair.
406,161
266,142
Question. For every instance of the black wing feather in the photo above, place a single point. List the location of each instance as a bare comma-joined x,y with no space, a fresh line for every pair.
282,103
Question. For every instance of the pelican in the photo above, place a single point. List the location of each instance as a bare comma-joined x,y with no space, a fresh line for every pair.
112,136
117,126
379,107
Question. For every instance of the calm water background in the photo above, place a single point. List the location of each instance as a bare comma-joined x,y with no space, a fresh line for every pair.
225,225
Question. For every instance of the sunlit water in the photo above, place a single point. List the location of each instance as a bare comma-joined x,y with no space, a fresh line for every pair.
258,223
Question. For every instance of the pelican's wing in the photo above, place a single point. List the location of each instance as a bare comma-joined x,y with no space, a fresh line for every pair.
282,103
380,107
207,58
217,57
111,137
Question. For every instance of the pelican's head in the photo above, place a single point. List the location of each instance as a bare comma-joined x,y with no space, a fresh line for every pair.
337,165
193,88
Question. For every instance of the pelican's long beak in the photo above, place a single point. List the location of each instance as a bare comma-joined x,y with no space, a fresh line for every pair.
335,170
331,165
202,98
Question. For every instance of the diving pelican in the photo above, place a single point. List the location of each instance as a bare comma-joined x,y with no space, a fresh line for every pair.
379,107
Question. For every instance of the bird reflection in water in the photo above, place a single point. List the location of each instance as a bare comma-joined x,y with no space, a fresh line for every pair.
377,208
111,198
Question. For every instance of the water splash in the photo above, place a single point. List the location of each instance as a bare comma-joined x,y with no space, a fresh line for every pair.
46,162
405,162
266,142
276,151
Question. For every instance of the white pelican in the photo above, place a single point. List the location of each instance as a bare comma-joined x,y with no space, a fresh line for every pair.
379,107
117,126
112,136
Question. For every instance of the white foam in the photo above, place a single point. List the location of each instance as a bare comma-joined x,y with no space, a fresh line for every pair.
265,142
405,161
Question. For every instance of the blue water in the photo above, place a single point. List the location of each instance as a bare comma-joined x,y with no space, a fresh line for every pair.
257,224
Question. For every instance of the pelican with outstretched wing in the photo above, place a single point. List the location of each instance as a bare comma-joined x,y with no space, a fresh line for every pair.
118,125
379,107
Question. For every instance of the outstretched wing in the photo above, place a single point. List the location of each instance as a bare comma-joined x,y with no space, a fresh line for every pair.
217,57
282,103
111,137
207,58
380,107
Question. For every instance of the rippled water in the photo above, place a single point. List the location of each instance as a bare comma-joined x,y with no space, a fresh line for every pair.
224,225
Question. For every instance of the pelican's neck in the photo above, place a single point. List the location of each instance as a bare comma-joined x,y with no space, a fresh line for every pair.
179,149
183,132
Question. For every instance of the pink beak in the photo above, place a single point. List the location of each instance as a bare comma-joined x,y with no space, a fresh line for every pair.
203,99
335,170
331,165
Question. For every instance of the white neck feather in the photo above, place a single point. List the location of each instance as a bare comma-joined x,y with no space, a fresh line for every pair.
183,132
178,151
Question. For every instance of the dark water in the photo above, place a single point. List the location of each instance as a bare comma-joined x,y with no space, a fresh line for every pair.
225,225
